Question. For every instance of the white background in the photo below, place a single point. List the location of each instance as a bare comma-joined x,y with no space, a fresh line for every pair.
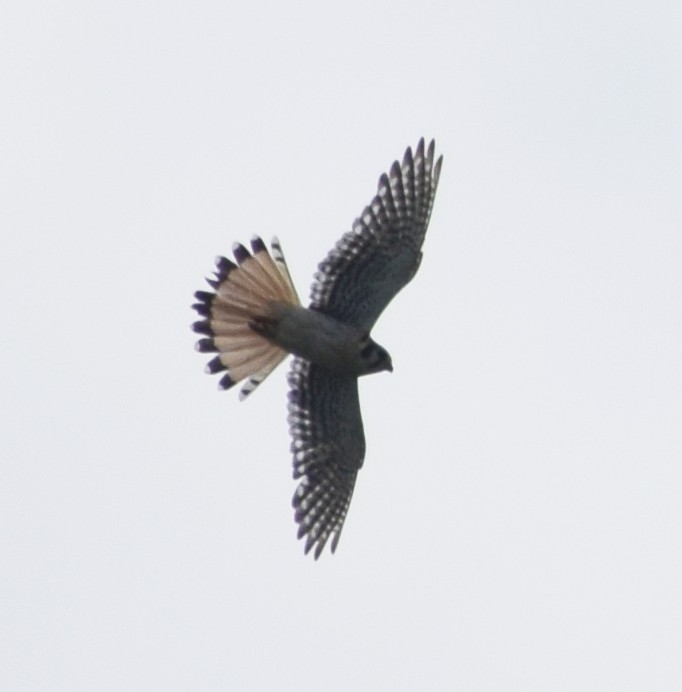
518,521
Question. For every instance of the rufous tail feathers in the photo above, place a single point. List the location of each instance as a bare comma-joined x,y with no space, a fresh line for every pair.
243,292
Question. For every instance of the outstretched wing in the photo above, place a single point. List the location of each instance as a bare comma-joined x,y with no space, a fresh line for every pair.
328,447
381,253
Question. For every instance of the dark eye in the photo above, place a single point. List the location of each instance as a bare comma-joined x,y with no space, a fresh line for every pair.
367,351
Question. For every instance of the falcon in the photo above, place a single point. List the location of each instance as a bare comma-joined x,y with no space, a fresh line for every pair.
253,319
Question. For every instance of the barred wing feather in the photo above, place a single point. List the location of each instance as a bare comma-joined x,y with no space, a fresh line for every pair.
382,251
328,448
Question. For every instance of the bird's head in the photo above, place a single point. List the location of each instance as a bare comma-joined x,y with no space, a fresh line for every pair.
374,358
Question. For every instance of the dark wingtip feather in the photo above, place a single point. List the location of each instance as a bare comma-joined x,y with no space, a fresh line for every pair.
205,346
432,149
257,245
204,296
335,542
225,266
407,158
436,170
202,327
241,254
226,382
202,309
215,365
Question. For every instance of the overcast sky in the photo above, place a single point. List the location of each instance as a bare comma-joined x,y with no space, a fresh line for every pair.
518,521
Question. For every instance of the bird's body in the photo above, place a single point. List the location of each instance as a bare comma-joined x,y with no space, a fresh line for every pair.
253,319
314,336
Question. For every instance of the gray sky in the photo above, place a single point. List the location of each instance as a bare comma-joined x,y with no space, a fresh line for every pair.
518,521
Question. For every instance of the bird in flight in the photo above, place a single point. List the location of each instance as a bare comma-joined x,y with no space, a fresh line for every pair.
253,318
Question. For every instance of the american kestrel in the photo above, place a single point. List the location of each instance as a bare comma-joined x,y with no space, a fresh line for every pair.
253,319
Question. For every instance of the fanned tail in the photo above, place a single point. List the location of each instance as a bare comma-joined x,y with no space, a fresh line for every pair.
243,291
